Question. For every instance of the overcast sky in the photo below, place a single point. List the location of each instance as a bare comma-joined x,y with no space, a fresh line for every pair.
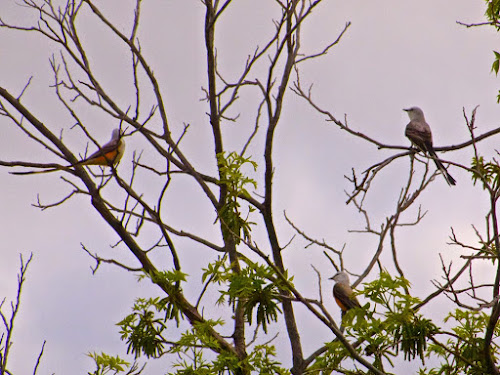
395,55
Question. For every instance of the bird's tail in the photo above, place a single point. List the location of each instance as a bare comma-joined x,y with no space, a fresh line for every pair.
47,169
36,172
449,179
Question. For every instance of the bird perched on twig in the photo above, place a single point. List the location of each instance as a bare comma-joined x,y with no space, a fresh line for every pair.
108,155
342,292
419,133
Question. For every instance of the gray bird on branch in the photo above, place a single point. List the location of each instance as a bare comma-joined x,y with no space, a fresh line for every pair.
419,133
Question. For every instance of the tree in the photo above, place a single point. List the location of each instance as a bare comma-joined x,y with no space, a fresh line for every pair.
8,320
245,257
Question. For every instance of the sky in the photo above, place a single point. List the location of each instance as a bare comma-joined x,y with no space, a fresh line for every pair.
395,54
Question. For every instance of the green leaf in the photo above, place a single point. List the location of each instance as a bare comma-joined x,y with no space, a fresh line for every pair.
495,66
106,363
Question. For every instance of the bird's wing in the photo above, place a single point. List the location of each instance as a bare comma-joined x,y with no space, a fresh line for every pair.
106,155
420,135
343,296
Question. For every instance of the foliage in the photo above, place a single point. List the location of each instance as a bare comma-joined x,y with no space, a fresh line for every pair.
233,179
256,285
492,14
407,330
493,11
259,361
106,364
391,324
467,344
488,173
142,330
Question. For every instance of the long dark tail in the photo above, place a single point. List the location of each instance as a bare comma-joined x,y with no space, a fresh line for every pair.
36,172
450,180
49,168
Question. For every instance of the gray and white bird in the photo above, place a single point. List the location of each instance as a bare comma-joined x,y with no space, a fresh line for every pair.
419,133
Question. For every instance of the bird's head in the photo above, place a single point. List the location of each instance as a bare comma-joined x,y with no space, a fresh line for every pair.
117,133
415,113
340,277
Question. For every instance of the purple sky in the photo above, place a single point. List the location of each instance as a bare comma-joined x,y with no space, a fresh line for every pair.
396,54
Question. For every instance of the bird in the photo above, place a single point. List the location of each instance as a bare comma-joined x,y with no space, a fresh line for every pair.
342,292
419,133
108,155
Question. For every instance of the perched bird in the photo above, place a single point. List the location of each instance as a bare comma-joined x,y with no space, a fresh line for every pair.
419,133
108,155
342,292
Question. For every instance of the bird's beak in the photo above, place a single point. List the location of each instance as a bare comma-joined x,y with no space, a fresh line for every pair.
331,278
406,109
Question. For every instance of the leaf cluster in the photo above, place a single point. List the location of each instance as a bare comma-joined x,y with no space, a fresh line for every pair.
493,11
256,286
261,360
331,360
383,328
464,350
192,346
488,173
106,364
235,182
142,330
493,14
403,328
